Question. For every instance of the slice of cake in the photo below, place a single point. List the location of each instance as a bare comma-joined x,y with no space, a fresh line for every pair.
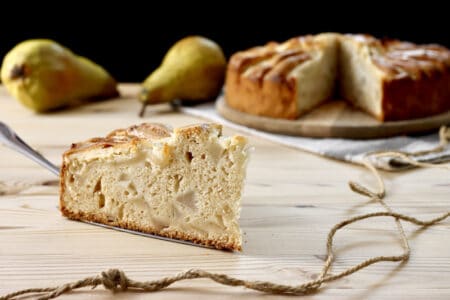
283,80
183,184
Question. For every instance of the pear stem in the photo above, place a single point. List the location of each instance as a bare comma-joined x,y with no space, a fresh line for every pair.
142,111
175,104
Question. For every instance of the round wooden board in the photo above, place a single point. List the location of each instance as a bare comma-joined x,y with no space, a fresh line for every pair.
335,119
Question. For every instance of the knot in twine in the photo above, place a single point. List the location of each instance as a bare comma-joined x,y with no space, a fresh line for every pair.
116,280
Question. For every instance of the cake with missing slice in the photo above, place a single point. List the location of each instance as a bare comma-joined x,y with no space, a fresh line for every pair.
389,79
184,183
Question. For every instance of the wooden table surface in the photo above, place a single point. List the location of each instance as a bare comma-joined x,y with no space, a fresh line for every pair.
291,200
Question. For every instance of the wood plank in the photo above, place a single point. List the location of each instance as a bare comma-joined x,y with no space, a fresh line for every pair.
291,200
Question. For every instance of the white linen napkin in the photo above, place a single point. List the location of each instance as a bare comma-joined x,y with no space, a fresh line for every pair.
342,149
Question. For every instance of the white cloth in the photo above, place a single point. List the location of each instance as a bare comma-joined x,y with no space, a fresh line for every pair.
342,149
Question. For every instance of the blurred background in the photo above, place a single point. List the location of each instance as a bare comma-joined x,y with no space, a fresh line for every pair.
130,39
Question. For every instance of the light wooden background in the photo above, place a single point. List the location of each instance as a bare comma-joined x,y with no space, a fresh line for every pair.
291,200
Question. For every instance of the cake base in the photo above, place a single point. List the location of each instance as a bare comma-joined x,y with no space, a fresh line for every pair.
334,119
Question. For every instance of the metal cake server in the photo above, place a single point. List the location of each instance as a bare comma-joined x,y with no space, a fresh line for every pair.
11,140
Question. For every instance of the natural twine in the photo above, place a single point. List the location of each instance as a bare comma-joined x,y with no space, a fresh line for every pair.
116,280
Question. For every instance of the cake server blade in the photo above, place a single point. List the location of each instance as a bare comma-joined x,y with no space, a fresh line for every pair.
11,140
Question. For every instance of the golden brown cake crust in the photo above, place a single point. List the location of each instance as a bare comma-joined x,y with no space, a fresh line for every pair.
408,98
255,91
135,133
218,244
148,131
415,81
419,80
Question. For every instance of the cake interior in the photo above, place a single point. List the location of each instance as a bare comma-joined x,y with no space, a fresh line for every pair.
316,77
182,186
360,81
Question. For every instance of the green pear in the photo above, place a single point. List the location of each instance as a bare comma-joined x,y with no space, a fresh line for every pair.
43,75
192,69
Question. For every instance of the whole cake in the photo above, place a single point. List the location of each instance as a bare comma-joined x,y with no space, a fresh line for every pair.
184,184
389,79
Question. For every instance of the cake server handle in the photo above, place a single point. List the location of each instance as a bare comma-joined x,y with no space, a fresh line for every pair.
10,139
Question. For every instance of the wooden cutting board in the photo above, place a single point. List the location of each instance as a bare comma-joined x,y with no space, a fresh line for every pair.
335,119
